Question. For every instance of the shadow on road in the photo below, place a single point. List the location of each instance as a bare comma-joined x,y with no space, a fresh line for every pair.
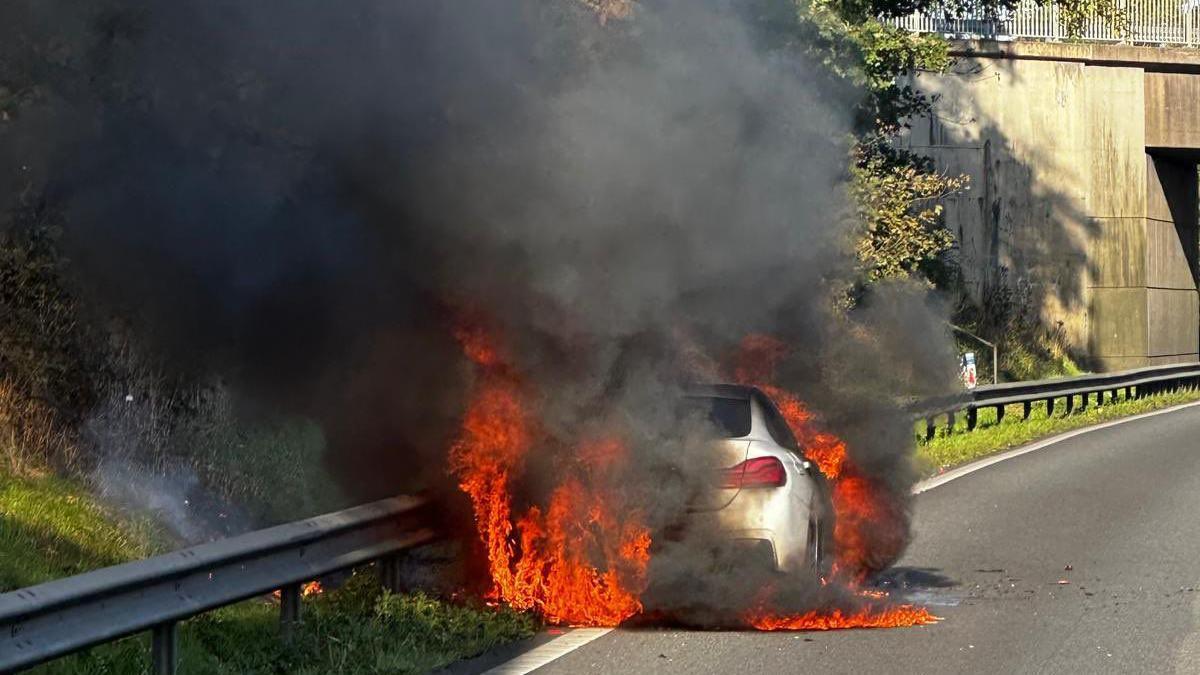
901,578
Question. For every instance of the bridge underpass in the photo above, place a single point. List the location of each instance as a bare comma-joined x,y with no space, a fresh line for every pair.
1083,201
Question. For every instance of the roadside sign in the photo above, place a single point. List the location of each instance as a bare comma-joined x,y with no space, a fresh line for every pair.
968,370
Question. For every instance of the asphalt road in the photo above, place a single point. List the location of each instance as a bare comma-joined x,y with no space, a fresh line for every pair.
1121,506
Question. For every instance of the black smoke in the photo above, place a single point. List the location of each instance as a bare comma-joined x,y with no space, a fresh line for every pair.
302,195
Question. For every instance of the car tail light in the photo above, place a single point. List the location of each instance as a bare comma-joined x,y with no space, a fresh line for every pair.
754,473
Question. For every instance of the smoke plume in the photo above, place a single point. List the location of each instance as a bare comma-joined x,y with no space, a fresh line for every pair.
308,196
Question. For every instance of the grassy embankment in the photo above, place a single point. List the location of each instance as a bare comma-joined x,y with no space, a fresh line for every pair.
51,528
960,446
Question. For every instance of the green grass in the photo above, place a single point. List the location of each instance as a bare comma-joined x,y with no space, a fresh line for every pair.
948,449
355,629
51,528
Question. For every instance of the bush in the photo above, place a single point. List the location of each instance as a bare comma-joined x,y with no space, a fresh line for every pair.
1010,317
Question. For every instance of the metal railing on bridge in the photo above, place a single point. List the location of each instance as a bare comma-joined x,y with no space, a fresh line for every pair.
1150,22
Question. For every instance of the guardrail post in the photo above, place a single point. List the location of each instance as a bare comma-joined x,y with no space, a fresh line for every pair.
1083,400
164,649
1070,403
999,414
289,610
1026,409
972,418
1049,407
930,428
950,422
389,573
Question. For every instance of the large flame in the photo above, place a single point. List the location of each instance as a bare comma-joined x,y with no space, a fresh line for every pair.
582,559
868,526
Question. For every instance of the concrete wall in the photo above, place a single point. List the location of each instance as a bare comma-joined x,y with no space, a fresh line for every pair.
1145,306
1065,199
1171,103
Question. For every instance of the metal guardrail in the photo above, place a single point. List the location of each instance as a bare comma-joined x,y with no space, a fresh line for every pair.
1137,383
56,618
1150,22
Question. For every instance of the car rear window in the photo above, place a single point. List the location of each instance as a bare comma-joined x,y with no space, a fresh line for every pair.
729,417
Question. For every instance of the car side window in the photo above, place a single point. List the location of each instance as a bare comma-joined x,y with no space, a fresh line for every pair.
776,426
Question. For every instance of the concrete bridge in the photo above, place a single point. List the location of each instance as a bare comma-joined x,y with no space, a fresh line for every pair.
1083,160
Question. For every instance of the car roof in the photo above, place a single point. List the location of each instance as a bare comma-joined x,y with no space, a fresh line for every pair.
743,392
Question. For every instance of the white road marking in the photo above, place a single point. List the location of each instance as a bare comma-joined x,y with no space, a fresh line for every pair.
560,646
578,637
966,469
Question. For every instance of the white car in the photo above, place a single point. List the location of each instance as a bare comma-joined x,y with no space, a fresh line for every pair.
765,498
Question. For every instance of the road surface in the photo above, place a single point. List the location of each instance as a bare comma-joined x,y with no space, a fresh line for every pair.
1121,506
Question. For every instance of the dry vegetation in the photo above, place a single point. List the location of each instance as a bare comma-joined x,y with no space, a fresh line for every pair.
30,439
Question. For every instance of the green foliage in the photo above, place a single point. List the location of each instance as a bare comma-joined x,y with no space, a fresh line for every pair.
897,203
44,345
1075,15
899,229
275,470
948,449
1036,355
358,628
1009,316
51,528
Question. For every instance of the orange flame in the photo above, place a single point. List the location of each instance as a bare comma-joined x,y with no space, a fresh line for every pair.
867,617
582,558
575,562
867,532
306,590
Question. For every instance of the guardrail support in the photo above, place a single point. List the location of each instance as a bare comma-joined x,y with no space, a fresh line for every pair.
164,649
1127,385
389,573
289,610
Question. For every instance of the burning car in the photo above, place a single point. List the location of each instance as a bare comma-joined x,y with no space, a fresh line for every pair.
766,497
